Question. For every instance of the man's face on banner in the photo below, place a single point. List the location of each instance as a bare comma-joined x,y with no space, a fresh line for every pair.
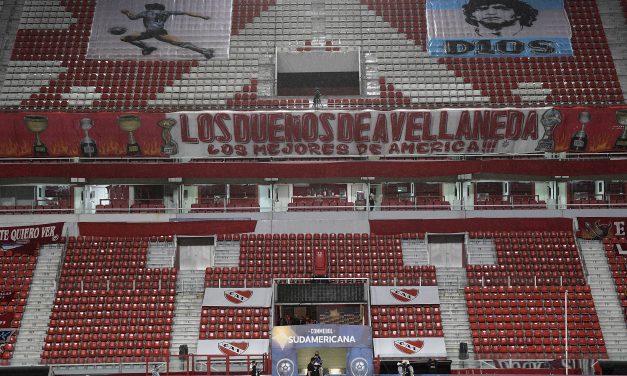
495,15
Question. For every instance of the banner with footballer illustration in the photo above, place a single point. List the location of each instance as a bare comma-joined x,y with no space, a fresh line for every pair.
505,28
404,295
344,347
163,30
237,297
312,134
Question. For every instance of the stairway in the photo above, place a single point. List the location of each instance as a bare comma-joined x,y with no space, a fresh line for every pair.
451,283
415,252
606,300
226,254
481,252
186,321
38,307
160,255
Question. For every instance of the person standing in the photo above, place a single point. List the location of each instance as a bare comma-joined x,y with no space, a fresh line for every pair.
405,369
317,101
155,370
254,368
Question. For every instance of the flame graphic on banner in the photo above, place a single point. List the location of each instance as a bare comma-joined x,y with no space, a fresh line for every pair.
13,149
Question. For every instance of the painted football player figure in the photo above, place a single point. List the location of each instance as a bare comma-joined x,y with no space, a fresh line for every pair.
154,18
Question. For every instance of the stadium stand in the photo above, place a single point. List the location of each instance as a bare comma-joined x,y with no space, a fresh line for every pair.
109,307
291,256
516,307
534,305
71,81
16,272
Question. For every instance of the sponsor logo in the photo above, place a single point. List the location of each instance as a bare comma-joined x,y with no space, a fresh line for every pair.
285,367
409,347
237,296
233,348
404,295
359,367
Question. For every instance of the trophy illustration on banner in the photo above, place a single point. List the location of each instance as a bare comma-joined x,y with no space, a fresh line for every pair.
88,145
130,123
37,124
621,119
550,119
580,139
169,146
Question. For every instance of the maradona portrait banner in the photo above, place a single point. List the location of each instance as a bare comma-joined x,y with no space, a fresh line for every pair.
489,28
160,29
344,347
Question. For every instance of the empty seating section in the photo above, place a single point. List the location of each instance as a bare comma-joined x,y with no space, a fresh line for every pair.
407,16
616,252
527,258
209,205
516,307
49,69
118,201
16,273
588,203
244,12
109,307
54,207
320,204
417,203
528,322
148,206
267,256
234,323
379,258
243,205
508,203
406,321
617,201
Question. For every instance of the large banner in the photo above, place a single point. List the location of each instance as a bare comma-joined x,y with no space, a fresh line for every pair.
492,28
404,295
597,228
237,297
266,134
235,347
168,29
424,347
25,239
344,347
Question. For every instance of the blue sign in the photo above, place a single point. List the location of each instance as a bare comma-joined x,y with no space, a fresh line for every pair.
290,342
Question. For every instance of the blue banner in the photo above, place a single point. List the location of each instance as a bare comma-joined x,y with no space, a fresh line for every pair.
344,347
493,28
